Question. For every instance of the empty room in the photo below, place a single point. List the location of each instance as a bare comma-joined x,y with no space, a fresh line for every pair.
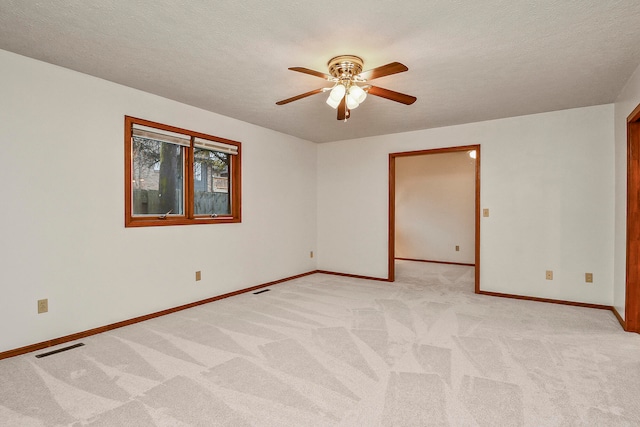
213,213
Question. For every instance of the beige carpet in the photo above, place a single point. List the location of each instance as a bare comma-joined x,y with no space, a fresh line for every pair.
331,351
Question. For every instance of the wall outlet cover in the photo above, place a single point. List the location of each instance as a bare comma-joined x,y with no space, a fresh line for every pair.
43,306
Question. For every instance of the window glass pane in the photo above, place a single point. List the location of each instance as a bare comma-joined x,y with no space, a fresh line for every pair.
211,182
158,177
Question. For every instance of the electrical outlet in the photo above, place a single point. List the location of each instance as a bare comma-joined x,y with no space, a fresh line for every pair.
457,248
588,277
43,306
549,275
198,275
311,254
485,212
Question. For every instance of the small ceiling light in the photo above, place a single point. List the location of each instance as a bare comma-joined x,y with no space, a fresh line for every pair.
352,103
358,94
472,154
337,93
333,103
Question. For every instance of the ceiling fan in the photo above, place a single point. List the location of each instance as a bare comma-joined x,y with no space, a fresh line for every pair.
350,84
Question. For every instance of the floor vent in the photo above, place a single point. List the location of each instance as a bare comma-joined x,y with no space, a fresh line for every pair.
60,350
259,292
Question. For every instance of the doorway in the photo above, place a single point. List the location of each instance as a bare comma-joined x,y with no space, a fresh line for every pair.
392,204
632,298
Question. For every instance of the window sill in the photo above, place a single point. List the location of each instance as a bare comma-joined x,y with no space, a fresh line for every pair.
156,222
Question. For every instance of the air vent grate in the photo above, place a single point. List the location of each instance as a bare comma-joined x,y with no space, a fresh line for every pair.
60,350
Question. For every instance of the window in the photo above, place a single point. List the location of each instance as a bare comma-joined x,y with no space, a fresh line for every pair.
175,177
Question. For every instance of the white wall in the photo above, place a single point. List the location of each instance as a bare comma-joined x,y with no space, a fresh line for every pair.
62,213
435,207
548,180
627,101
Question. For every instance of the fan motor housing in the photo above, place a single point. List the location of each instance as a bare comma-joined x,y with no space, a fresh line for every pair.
345,66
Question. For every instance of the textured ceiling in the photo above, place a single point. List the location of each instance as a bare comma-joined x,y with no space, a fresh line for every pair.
468,60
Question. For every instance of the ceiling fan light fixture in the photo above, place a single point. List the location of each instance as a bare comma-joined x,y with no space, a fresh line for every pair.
358,94
347,92
333,103
337,93
352,103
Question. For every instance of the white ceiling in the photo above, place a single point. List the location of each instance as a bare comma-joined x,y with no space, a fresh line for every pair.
468,60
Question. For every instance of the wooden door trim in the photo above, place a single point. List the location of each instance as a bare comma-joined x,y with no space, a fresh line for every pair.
392,204
632,273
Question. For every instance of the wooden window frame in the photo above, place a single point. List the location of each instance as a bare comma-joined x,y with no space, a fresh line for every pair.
188,218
